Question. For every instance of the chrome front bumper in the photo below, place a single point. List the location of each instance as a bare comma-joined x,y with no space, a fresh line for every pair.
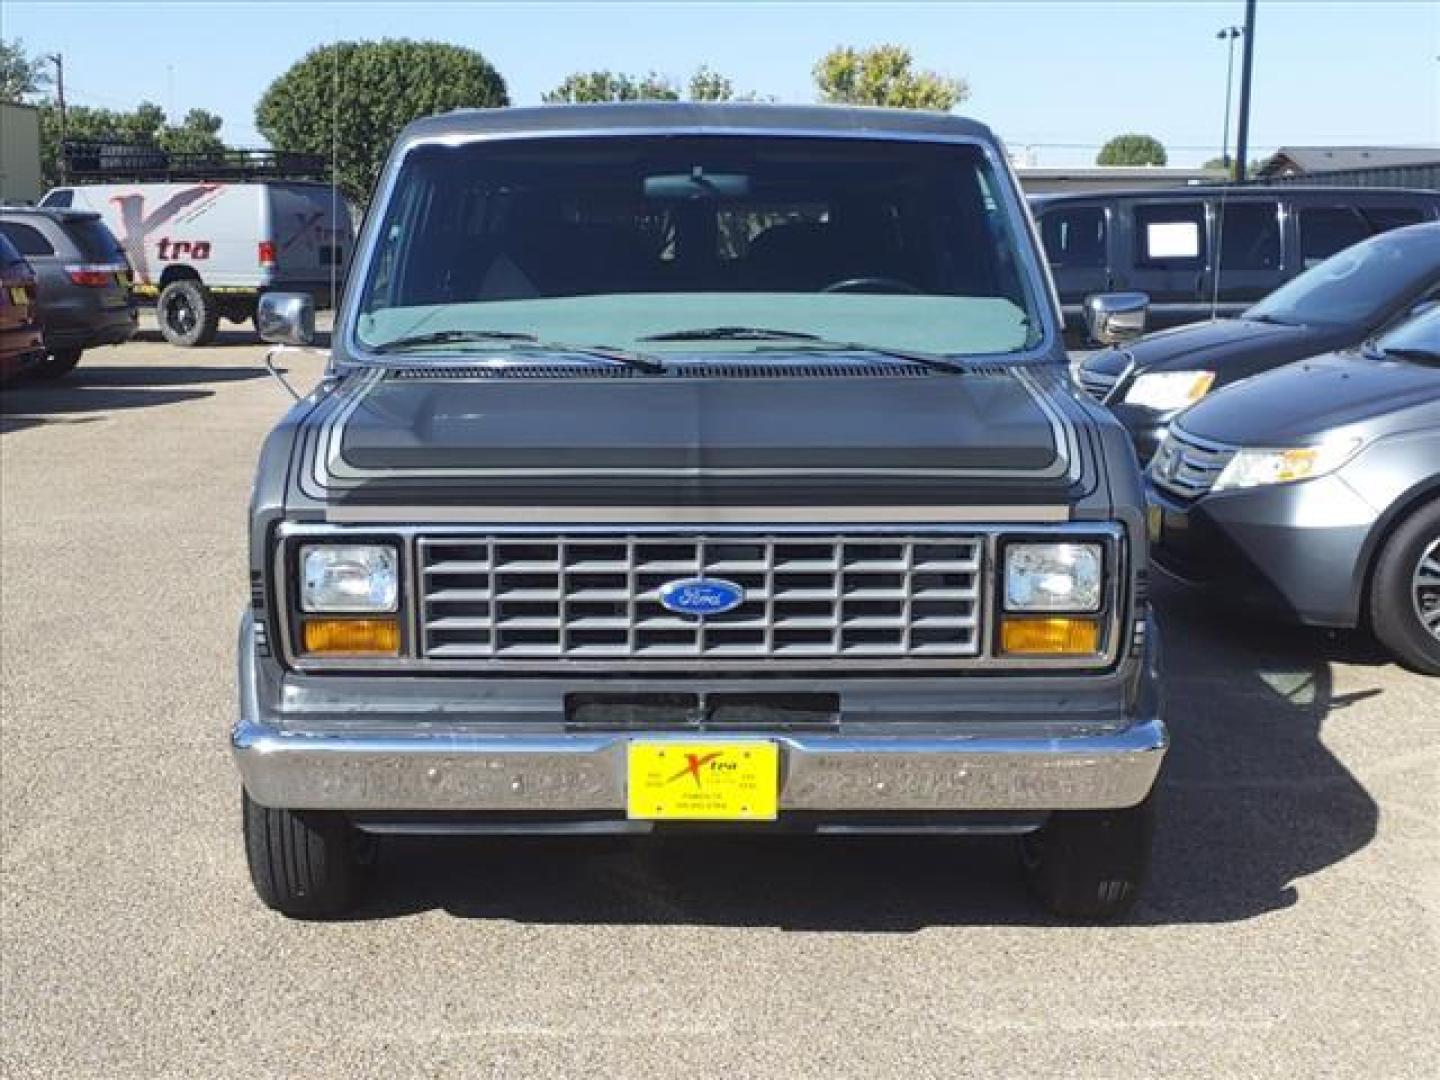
434,761
440,771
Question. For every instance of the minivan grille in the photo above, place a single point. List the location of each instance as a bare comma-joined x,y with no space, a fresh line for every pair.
1187,467
582,597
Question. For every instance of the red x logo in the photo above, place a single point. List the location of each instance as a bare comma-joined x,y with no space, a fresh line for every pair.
693,764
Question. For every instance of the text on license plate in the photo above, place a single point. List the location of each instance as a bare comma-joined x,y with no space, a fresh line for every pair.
703,781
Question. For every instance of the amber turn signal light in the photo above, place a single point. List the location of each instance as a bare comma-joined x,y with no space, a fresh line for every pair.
352,637
1050,637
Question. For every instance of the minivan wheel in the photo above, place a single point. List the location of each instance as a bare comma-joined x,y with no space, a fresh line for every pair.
57,364
1405,591
306,864
187,313
1090,864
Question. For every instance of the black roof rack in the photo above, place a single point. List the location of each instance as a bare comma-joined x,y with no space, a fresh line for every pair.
100,161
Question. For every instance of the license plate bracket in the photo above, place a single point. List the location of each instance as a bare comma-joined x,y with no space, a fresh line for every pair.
703,780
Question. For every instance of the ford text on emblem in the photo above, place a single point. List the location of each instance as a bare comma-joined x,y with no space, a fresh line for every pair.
701,596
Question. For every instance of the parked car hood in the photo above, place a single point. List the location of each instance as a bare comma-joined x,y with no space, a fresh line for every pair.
1214,344
876,432
1300,403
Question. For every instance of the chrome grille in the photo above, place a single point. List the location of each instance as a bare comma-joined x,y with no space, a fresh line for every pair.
1188,467
597,596
1098,384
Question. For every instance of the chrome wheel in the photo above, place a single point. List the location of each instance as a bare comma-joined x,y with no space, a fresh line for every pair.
1425,589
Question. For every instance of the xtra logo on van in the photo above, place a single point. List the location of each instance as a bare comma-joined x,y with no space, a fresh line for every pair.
136,225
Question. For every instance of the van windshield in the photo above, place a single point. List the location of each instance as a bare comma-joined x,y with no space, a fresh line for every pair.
655,239
1357,285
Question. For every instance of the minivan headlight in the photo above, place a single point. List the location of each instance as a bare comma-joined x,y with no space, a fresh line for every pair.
1166,391
1254,468
349,578
1053,577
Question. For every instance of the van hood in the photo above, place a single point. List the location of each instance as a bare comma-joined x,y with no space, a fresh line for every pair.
701,435
1301,403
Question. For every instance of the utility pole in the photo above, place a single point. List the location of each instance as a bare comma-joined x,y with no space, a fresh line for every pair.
59,62
1247,65
1228,35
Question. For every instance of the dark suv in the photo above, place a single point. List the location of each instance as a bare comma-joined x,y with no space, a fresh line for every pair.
1207,250
83,281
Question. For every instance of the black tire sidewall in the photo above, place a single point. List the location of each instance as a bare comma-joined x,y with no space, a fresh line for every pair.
1392,610
207,313
57,365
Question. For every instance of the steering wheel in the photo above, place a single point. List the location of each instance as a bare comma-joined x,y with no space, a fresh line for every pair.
871,284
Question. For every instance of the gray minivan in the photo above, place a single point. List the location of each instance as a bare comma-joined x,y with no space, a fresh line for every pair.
1203,251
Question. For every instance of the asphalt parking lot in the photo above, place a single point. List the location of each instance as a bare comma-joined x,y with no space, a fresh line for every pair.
1292,927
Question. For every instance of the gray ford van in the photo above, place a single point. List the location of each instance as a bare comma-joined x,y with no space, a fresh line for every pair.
696,466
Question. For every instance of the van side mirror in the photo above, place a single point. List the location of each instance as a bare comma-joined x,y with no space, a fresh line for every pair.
1115,318
286,318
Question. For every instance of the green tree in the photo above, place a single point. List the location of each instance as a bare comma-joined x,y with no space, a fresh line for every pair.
20,74
367,91
198,133
708,85
589,87
885,75
1132,150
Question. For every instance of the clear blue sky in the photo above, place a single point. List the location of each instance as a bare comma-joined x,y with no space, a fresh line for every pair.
1060,77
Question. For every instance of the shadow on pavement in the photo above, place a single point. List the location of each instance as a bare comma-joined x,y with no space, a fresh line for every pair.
1252,801
29,403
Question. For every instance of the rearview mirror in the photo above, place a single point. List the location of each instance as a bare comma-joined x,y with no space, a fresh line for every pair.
286,318
1115,318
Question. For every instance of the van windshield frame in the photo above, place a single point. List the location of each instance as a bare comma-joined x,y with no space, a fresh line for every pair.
1009,316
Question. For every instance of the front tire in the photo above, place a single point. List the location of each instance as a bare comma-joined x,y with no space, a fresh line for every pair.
187,313
56,365
303,863
1405,591
1090,864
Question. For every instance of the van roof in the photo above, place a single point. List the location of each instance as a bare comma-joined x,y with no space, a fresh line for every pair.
698,118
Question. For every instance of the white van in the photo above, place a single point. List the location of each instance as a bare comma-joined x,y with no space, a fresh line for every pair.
206,249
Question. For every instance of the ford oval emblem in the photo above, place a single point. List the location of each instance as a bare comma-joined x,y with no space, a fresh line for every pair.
701,596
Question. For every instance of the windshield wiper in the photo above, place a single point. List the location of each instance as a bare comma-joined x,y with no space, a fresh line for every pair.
814,341
528,342
445,337
732,333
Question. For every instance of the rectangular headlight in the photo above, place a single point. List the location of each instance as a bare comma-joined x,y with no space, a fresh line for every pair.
1053,577
349,578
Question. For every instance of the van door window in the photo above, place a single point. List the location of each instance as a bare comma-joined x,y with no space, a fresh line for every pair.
1074,237
1250,236
1170,236
1324,230
27,241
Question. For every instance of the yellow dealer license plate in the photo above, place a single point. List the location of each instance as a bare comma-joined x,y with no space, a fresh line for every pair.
703,781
